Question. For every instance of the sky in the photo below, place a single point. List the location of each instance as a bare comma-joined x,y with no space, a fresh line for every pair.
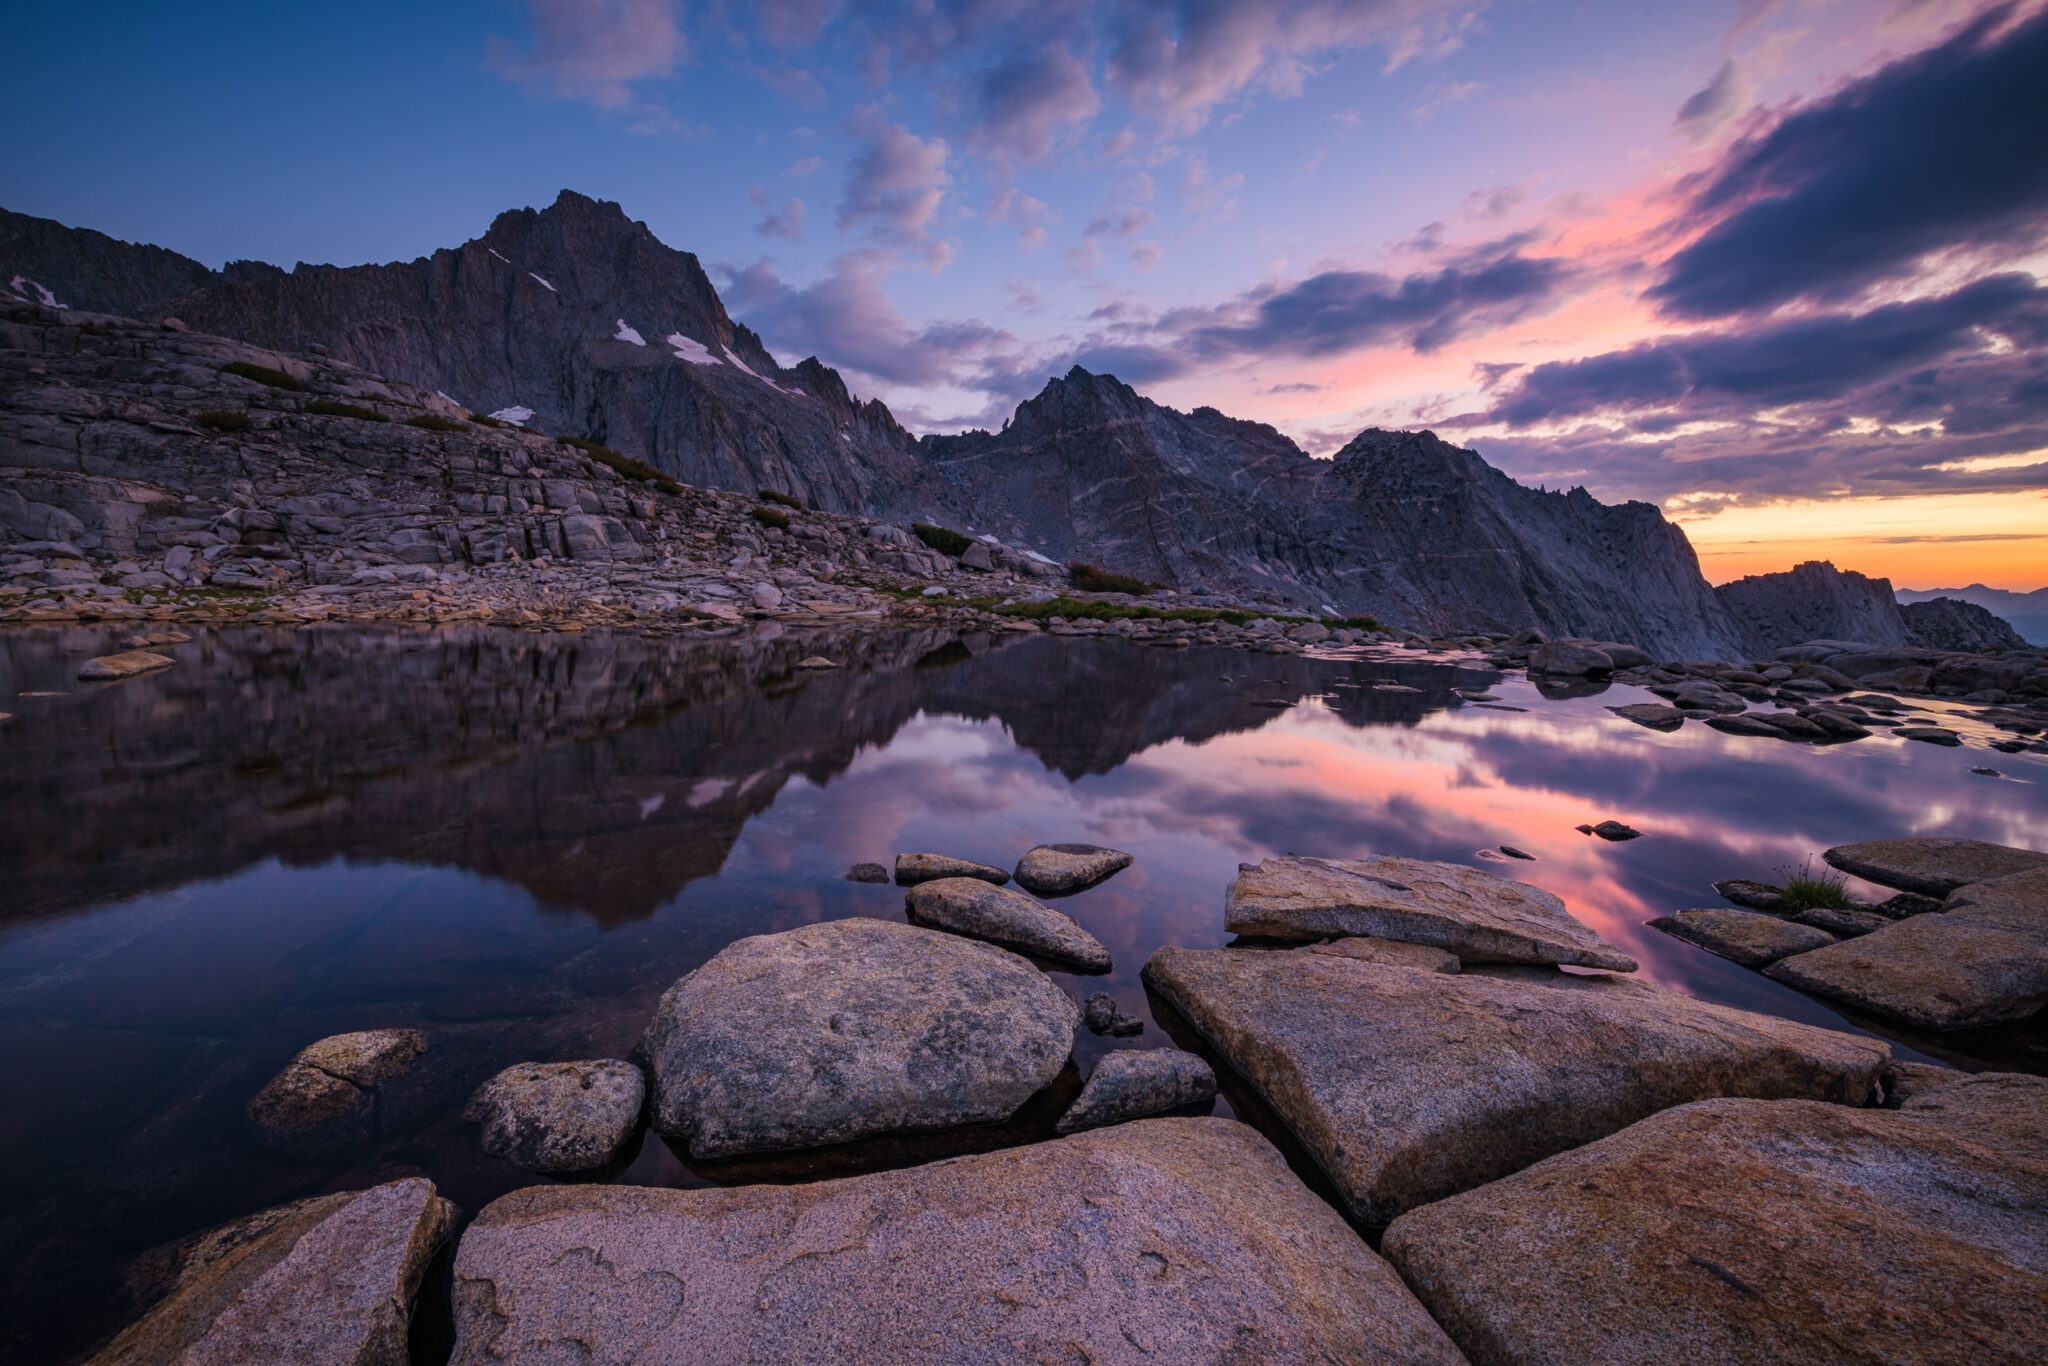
1776,266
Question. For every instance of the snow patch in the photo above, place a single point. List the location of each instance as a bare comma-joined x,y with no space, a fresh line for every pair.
550,288
627,334
49,300
694,352
518,417
793,393
494,251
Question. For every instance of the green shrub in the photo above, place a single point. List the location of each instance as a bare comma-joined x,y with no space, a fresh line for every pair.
623,464
483,421
263,374
329,407
434,422
770,517
223,419
771,496
939,539
1093,580
1806,890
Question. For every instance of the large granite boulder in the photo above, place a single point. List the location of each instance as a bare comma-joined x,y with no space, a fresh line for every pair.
1132,1083
1762,1233
559,1116
1570,659
850,1029
967,905
1479,917
1171,1240
1931,867
1983,960
1746,937
1063,869
1409,1086
326,1280
912,869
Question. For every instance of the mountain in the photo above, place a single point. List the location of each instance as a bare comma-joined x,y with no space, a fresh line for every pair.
2026,613
1816,601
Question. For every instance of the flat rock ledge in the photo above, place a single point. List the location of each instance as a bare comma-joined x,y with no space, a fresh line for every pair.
559,1116
1130,1084
1931,867
1181,1240
1063,869
1477,916
1406,1086
330,1279
1007,917
1744,1231
847,1030
912,869
1390,953
1750,938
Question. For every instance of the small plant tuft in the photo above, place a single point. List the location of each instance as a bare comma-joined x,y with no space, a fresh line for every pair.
330,407
223,419
940,539
623,464
484,421
1090,579
263,374
434,422
770,517
771,496
1806,890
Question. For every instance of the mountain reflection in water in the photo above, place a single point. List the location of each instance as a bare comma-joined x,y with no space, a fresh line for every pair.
517,841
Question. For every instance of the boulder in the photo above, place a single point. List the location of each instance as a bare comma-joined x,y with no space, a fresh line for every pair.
1131,1084
1840,923
1700,695
1931,867
765,596
867,872
1982,961
1102,1016
1901,1080
1477,916
1758,896
1739,1231
1655,715
327,1094
976,556
1181,1240
127,664
1616,832
1001,915
1563,657
1623,656
559,1116
1930,735
1390,953
1406,1087
850,1029
1746,724
912,869
1744,937
1062,869
331,1279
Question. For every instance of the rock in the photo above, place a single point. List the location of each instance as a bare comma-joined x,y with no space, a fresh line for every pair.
1983,961
1390,953
1758,896
765,596
329,1089
1744,937
1513,852
1906,903
1792,726
867,872
1624,656
127,664
1699,695
1102,1017
1569,660
1740,1231
1001,915
1837,726
1932,867
912,869
1746,724
1062,869
1131,1084
1655,715
331,1279
1932,735
849,1029
815,662
1181,1240
1407,1086
1616,831
559,1116
976,556
1842,924
1475,915
1901,1080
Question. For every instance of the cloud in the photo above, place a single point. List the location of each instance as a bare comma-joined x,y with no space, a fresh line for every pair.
788,222
895,186
1146,255
1720,100
804,166
593,49
1295,389
1028,101
1442,97
1030,215
1939,152
1206,198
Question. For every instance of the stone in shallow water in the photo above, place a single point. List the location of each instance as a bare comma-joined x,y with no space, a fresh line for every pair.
1169,1240
850,1029
1655,715
1475,915
1101,1016
1130,1084
1758,896
1390,953
1408,1086
1746,725
330,1279
1616,831
1932,735
912,869
327,1093
1842,924
1931,867
1571,660
1002,916
867,872
559,1116
1746,937
1062,869
1741,1231
124,665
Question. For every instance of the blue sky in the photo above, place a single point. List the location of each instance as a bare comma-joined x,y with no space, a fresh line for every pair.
1540,228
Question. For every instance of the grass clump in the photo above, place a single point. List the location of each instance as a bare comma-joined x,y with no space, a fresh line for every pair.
1093,609
1090,579
434,422
771,496
223,419
263,374
623,464
1806,890
940,539
329,407
769,517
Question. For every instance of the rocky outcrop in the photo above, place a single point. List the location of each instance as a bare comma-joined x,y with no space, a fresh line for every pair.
1001,915
559,1116
1931,866
1183,1240
1959,627
1812,601
1740,1231
42,261
2026,613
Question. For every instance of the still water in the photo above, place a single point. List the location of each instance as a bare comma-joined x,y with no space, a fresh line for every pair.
515,842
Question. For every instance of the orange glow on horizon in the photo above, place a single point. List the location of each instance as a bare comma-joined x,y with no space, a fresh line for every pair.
1933,541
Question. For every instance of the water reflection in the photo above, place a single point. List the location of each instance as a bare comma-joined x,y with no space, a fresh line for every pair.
515,842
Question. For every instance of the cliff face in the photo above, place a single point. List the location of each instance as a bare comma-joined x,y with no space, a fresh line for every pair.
1813,601
1949,624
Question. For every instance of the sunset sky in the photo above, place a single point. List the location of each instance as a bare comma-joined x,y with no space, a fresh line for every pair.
1774,266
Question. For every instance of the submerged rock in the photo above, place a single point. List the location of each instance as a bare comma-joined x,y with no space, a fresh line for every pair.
1102,1017
124,665
1407,1086
1131,1084
1655,715
326,1095
1181,1240
559,1116
331,1279
912,869
1062,869
1931,867
1738,1231
1746,937
1475,915
1002,916
849,1029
